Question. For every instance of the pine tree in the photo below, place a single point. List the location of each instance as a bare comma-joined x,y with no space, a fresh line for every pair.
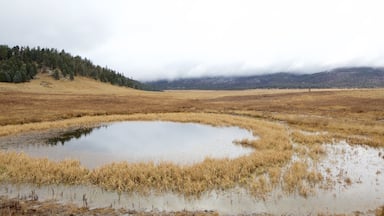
56,74
71,76
17,78
3,52
5,77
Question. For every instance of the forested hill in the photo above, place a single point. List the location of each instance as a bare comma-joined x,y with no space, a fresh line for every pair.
21,64
354,77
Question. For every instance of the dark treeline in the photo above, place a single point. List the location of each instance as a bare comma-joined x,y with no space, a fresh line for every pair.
21,64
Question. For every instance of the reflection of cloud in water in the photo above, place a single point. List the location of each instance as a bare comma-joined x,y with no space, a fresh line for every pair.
138,141
361,164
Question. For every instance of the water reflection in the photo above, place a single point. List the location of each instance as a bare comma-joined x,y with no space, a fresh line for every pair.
69,135
364,165
142,141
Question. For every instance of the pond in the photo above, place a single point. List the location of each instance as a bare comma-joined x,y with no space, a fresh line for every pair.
142,141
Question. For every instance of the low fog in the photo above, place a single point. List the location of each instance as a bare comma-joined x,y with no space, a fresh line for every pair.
149,39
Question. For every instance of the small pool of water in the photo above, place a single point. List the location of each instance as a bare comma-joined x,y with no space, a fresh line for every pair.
142,141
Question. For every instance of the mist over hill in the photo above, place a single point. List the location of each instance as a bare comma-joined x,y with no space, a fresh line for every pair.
353,77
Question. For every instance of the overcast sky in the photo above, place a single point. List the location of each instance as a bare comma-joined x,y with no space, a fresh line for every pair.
151,39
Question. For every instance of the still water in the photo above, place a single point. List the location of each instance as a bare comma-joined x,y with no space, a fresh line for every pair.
143,141
362,164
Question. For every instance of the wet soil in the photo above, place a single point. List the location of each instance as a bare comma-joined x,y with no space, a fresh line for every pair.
31,207
17,207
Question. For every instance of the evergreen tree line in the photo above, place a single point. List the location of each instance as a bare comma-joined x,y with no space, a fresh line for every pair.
21,64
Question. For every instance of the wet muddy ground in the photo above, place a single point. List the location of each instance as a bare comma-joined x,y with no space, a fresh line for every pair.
16,207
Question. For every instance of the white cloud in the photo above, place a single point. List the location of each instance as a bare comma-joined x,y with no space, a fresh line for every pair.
151,39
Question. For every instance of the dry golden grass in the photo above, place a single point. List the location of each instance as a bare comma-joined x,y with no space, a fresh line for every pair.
18,167
354,115
44,84
379,211
299,178
273,148
260,186
294,176
311,139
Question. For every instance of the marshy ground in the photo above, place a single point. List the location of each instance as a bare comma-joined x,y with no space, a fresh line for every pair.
297,130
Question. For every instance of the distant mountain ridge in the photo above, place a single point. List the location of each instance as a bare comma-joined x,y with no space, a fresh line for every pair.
352,77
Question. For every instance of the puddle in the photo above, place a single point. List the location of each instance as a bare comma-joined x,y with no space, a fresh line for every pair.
364,166
358,174
142,141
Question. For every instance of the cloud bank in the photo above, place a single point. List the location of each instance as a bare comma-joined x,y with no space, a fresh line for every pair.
151,39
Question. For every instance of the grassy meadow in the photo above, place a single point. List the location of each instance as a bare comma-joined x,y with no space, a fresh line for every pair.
288,122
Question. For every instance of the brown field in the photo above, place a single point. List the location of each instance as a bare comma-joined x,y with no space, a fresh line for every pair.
345,111
279,117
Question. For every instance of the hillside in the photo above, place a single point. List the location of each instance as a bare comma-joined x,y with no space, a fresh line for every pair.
21,64
44,83
358,77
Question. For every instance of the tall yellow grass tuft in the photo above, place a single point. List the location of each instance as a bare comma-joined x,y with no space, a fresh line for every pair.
299,178
18,167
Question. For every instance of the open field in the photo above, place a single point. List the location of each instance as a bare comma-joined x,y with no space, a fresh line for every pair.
288,122
342,110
